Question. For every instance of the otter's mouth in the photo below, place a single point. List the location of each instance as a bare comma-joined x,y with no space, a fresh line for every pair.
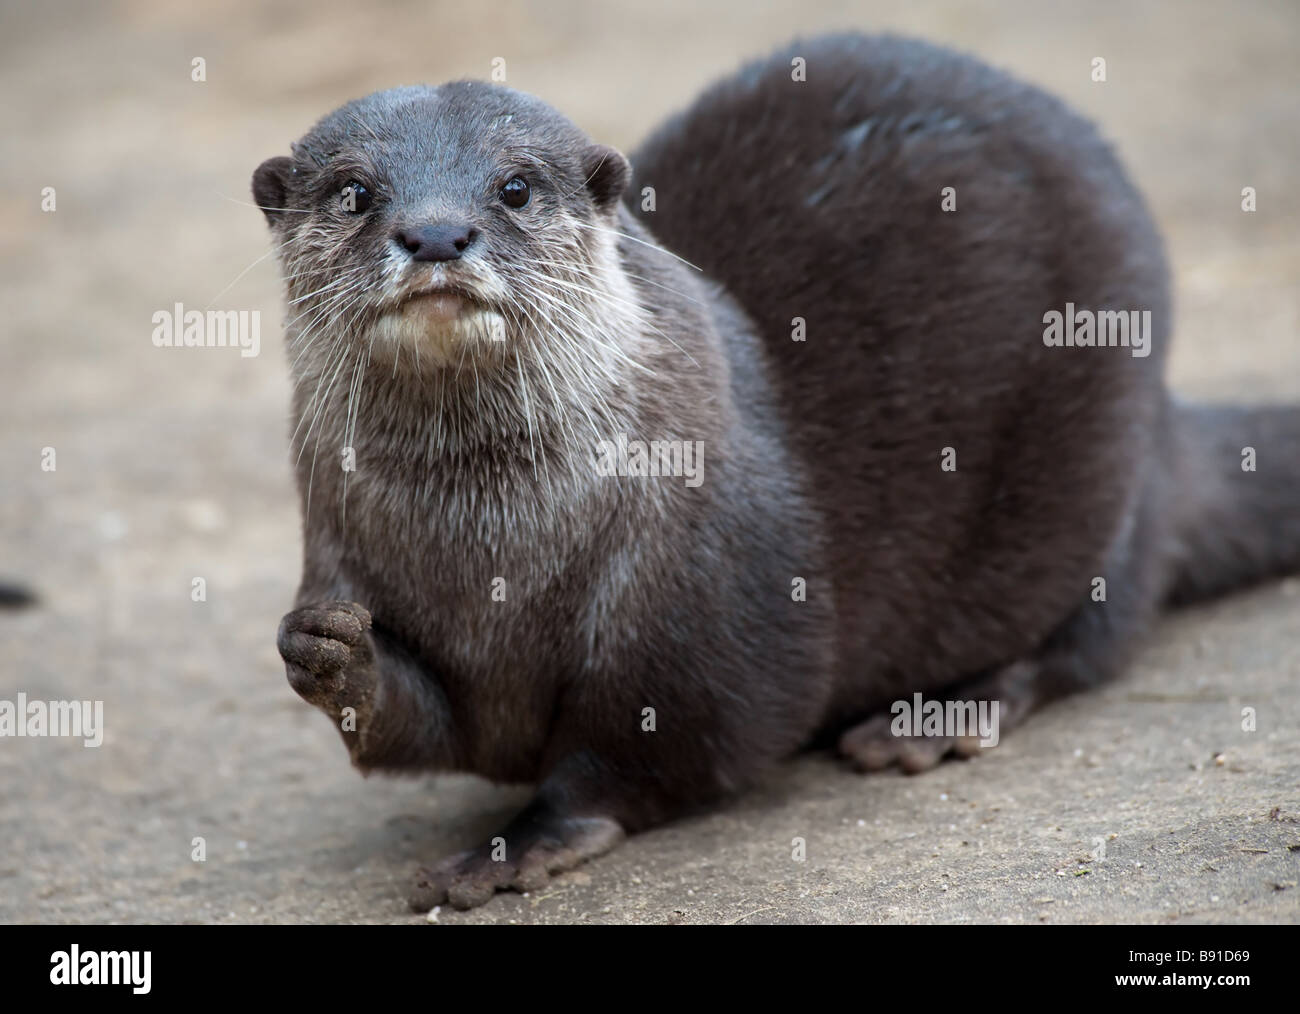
442,321
445,303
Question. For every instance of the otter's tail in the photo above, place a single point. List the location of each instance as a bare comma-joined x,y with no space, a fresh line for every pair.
1235,500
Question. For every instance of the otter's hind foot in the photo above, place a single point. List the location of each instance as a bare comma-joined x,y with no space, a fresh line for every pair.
874,745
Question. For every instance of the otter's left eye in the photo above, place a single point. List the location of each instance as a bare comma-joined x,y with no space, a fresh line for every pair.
355,198
515,192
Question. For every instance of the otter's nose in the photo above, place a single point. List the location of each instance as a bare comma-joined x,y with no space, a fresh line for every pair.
436,242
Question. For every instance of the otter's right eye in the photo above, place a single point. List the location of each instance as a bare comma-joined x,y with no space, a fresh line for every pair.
354,198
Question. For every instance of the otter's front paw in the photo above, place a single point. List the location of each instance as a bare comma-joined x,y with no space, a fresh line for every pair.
525,856
326,652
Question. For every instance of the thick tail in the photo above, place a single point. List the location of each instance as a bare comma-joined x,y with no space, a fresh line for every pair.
1235,499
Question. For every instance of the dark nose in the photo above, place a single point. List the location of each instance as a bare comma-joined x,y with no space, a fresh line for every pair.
439,242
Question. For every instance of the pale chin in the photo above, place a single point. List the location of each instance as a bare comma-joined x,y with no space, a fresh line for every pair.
442,329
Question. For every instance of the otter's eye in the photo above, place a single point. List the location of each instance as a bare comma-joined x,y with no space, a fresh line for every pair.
515,192
354,198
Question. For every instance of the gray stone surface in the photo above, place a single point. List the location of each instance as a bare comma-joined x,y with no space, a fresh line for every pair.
172,464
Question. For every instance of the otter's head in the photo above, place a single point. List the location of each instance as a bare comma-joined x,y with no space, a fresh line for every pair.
435,224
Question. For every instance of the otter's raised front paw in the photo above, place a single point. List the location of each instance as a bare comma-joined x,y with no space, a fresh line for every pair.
525,860
322,646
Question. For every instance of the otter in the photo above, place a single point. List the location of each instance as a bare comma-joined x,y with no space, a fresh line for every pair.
832,281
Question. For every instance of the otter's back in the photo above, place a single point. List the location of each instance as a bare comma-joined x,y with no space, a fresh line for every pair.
823,200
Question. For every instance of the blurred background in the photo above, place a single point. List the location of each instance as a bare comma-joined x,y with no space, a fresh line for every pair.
173,464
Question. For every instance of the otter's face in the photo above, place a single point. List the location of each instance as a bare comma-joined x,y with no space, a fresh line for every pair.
464,220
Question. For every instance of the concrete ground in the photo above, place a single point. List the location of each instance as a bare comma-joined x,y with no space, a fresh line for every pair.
173,464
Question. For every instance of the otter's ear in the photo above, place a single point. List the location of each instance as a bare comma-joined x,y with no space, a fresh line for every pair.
271,186
607,172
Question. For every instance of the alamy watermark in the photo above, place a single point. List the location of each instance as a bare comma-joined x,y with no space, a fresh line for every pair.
951,719
1130,329
624,456
76,719
211,329
75,967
